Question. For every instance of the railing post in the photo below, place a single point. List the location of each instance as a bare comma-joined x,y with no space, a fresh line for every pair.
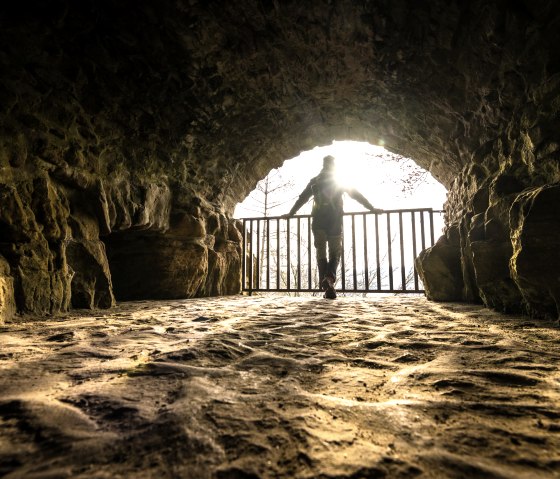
377,258
251,257
288,254
258,281
422,230
414,250
244,256
278,261
342,262
432,227
309,272
366,265
354,272
267,225
298,254
401,240
390,253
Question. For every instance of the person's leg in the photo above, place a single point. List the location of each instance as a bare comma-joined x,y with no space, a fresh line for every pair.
322,266
320,242
335,252
334,239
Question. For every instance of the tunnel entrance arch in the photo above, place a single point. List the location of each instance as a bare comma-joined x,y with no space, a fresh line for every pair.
379,251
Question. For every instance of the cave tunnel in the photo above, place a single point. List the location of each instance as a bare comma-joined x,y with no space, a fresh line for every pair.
129,130
130,120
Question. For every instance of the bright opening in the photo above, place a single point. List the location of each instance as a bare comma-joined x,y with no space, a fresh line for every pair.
387,180
378,250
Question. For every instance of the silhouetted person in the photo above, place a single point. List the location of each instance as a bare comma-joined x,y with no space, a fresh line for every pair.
327,220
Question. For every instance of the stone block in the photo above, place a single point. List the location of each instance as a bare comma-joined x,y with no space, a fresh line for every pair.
137,203
224,270
7,299
186,226
476,230
235,231
491,266
156,267
535,263
439,268
91,285
50,209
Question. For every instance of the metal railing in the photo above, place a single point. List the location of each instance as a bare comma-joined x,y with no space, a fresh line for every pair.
378,252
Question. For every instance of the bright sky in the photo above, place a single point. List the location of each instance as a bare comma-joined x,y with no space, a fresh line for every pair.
372,170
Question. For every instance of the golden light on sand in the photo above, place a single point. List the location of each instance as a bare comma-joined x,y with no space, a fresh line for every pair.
389,384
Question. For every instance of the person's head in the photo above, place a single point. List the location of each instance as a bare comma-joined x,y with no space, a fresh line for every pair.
328,163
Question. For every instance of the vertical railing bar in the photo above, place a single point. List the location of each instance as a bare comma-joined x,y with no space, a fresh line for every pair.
288,253
278,264
422,230
366,266
401,238
251,258
267,253
258,255
342,262
309,252
354,272
377,259
432,226
414,250
298,254
390,253
244,253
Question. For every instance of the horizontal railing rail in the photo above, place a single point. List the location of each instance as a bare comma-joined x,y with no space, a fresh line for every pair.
378,254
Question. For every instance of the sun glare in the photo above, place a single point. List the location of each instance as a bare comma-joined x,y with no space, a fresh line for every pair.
353,162
386,180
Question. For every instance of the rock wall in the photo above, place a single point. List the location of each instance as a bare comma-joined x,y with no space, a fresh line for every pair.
130,129
88,162
57,228
502,218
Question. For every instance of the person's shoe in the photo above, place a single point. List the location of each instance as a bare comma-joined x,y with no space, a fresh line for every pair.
330,292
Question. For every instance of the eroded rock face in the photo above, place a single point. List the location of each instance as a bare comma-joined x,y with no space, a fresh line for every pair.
129,130
535,264
195,257
440,270
508,241
7,303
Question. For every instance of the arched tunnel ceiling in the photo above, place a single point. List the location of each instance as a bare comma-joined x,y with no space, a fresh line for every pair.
215,94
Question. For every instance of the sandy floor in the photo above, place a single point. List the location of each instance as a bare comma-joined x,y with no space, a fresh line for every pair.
277,387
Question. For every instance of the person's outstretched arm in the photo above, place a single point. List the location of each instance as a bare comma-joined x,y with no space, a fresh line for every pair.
303,198
356,195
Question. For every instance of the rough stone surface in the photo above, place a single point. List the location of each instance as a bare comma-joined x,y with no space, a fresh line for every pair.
440,269
91,279
492,273
157,267
121,117
7,300
535,263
